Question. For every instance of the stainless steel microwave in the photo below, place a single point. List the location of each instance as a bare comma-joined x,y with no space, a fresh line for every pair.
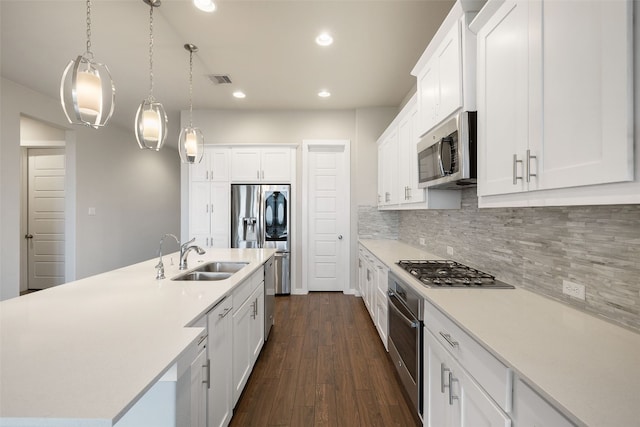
447,155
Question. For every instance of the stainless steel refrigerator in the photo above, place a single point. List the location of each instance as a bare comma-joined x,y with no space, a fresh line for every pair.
260,218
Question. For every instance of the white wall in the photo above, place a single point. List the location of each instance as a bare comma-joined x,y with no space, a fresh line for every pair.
136,193
362,127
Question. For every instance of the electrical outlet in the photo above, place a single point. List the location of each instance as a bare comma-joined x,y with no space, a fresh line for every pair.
422,242
574,290
449,250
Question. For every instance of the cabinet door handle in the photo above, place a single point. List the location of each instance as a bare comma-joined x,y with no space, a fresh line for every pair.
211,207
206,175
255,307
529,157
447,337
451,381
515,169
443,369
207,377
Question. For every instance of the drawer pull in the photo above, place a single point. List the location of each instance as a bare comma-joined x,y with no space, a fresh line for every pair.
225,312
447,337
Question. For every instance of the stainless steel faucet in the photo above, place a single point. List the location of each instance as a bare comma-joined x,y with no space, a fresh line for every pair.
184,252
160,265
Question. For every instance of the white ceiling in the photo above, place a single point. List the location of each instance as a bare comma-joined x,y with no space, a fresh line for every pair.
267,47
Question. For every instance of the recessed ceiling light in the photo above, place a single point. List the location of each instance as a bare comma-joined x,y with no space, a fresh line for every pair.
324,94
324,39
239,94
205,5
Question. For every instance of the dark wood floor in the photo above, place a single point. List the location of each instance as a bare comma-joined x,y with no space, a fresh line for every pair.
323,365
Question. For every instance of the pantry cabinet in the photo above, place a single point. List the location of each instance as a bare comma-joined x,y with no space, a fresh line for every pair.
209,199
209,213
261,164
555,107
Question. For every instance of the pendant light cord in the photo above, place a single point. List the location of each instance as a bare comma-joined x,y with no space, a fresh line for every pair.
89,53
190,88
151,53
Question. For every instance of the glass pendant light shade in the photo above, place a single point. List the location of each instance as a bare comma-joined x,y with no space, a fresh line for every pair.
191,139
87,93
151,119
151,125
191,145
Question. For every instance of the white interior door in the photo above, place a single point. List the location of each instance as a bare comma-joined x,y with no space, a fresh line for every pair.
46,217
326,195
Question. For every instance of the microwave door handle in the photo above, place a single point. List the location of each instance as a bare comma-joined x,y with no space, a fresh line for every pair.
440,146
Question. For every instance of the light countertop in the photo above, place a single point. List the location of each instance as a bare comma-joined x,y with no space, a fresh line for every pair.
81,354
587,367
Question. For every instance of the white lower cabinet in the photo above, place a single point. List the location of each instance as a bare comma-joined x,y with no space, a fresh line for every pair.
452,397
220,396
373,285
248,330
531,410
199,386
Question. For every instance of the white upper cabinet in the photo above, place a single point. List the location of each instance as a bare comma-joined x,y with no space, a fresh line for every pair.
439,84
407,160
445,72
261,164
503,99
555,105
213,167
398,168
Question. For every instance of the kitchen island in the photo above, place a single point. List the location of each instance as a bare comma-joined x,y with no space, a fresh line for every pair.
585,367
83,353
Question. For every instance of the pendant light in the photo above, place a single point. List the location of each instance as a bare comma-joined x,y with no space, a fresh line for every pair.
191,140
87,93
151,119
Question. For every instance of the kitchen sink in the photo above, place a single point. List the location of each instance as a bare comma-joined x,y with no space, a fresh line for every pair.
212,271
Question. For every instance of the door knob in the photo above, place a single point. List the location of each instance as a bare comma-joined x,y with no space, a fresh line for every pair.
28,236
339,236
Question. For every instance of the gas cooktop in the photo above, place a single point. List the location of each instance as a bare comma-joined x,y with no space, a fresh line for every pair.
450,274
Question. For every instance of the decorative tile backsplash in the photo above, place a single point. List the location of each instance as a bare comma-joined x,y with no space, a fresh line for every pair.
538,248
375,224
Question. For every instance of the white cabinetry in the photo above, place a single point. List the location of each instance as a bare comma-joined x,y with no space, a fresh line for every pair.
439,82
388,172
248,329
398,168
555,107
199,382
453,398
531,410
373,285
261,164
381,304
445,73
464,384
220,340
209,199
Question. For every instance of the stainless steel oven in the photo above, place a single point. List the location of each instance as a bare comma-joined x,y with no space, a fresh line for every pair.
406,315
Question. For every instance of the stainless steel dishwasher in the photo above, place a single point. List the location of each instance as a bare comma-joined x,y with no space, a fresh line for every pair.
269,294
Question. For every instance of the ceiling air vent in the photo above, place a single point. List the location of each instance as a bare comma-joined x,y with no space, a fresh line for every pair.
220,79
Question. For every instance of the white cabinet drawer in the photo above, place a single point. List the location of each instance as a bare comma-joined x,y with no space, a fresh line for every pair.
246,288
489,372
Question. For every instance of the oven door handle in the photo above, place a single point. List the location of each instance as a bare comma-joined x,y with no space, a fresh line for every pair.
413,324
